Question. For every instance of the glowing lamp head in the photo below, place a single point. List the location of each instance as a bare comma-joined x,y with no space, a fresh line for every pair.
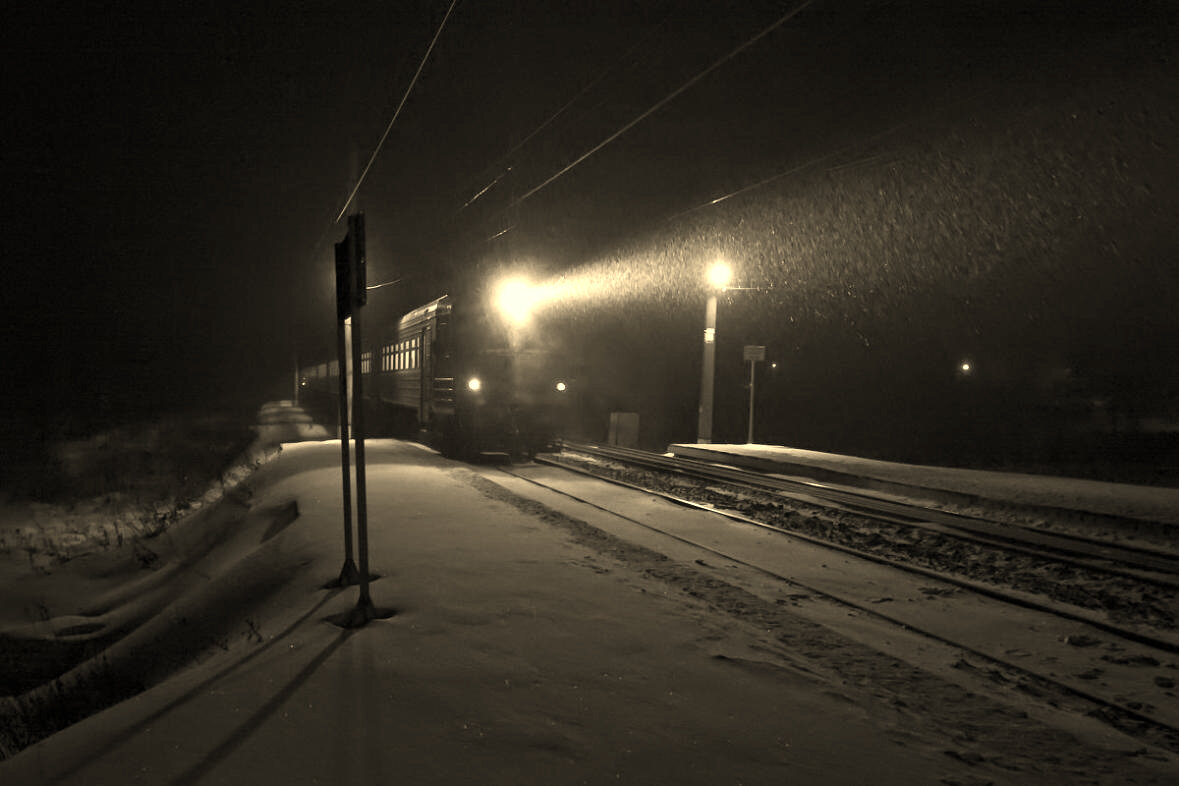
474,384
561,387
514,299
720,274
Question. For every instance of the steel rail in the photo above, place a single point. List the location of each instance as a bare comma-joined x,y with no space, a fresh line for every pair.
1115,714
1130,562
1024,600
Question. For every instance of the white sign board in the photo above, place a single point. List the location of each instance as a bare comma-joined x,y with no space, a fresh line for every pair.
754,352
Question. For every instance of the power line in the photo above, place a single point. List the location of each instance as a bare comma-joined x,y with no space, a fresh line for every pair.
565,107
486,188
666,99
859,144
389,127
787,172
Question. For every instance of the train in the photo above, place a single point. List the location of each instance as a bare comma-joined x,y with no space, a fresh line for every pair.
463,378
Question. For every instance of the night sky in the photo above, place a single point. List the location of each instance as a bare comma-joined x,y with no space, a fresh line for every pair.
907,184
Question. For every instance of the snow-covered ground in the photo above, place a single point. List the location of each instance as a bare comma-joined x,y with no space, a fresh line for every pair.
128,482
527,648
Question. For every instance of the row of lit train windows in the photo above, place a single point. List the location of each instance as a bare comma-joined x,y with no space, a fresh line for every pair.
403,355
327,370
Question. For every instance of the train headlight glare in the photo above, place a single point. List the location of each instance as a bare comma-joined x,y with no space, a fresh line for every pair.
561,387
475,384
515,299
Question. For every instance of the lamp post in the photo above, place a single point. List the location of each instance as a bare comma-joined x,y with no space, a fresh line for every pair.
718,279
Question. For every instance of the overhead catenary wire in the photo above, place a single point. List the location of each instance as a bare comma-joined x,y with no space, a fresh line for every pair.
561,111
486,188
776,176
665,100
389,127
323,242
854,145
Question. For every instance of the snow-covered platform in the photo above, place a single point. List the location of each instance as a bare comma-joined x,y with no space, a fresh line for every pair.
529,646
518,654
1116,504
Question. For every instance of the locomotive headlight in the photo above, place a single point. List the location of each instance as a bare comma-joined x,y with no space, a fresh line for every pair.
474,384
515,299
560,386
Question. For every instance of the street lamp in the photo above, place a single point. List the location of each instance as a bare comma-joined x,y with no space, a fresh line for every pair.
718,279
720,274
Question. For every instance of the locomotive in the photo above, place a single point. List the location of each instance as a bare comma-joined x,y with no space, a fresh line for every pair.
465,380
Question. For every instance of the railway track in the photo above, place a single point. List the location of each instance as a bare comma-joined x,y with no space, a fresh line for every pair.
1150,720
1095,554
1133,590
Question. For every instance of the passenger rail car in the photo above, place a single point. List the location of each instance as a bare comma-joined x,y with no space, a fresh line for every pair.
471,384
462,380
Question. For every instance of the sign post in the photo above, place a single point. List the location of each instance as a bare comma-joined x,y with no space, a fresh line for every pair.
356,285
348,573
354,252
753,354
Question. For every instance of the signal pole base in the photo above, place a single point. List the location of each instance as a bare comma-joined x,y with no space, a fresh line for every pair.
361,614
349,576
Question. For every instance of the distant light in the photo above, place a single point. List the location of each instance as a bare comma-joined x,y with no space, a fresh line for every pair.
474,384
773,365
560,387
965,368
515,298
720,274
